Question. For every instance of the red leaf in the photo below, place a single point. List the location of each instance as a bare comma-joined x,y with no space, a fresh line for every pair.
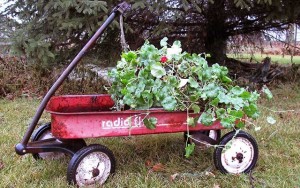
1,165
158,167
148,163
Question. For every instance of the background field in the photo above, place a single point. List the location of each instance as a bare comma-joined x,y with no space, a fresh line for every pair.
286,59
278,164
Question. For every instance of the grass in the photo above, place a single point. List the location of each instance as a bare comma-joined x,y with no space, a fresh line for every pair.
278,164
259,57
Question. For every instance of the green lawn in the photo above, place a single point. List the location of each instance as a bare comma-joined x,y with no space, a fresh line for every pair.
278,164
259,57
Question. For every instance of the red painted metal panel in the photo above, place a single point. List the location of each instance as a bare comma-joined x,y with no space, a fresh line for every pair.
89,116
80,103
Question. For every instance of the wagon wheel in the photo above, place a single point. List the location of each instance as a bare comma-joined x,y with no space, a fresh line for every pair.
91,165
240,156
213,134
43,133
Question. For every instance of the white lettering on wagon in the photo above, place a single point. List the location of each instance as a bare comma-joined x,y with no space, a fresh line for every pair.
135,121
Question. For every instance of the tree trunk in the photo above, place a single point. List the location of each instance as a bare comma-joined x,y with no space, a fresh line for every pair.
216,38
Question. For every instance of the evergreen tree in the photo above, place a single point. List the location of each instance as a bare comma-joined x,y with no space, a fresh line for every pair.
52,31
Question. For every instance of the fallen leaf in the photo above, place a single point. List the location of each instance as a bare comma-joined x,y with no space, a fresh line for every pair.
10,97
172,177
148,163
216,186
158,167
257,128
209,174
1,165
271,120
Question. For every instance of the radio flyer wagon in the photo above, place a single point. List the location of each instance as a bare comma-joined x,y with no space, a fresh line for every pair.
75,117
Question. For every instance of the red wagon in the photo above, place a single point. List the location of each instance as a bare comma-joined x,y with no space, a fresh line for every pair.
75,117
90,116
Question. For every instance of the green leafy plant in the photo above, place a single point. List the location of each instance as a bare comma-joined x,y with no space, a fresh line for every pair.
178,81
181,81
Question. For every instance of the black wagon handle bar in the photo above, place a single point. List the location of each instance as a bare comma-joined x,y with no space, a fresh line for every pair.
21,147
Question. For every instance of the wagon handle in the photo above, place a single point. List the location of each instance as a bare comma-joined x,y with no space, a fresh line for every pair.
21,147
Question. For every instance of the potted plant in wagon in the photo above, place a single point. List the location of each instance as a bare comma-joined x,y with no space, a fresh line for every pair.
180,81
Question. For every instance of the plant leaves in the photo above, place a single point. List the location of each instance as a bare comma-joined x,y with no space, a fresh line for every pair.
228,122
191,121
254,96
157,84
251,111
195,97
268,93
189,149
211,90
169,103
226,79
150,123
129,56
237,90
193,82
245,95
237,102
238,114
186,80
157,70
163,42
206,118
127,76
223,98
140,88
175,50
172,81
195,108
129,100
220,113
240,125
215,102
176,43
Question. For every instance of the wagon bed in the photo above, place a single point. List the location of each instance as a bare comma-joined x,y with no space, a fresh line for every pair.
91,116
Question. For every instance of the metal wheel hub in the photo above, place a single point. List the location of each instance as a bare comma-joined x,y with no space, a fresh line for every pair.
93,169
239,156
96,172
